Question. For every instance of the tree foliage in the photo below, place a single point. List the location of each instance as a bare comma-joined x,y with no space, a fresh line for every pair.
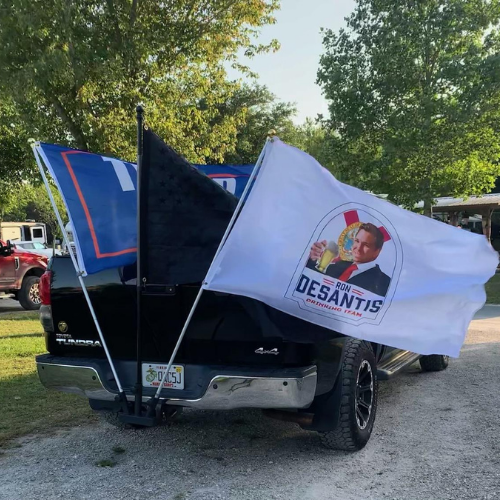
414,92
312,138
261,114
6,197
28,201
16,160
74,71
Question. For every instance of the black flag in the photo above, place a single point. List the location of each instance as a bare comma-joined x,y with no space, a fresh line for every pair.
184,215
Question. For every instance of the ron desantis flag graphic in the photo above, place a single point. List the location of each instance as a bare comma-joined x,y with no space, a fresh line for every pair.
343,259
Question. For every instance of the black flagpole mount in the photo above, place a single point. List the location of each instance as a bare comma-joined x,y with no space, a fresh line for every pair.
143,415
140,277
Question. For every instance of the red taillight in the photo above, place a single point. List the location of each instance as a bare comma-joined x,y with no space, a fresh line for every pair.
44,288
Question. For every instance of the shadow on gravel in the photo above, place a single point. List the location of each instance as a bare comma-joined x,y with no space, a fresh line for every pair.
207,432
232,438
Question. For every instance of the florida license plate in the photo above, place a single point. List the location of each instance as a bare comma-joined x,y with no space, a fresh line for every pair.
152,375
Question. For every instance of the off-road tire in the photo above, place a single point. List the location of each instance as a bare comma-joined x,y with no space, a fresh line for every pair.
349,434
434,363
29,296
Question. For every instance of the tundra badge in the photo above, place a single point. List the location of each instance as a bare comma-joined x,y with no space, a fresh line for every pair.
79,342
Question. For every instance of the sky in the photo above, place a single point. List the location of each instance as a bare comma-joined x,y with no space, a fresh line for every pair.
290,73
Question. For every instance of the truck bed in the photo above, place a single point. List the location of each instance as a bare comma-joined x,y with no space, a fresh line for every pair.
225,329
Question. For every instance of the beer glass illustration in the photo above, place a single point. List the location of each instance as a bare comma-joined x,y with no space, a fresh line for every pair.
331,252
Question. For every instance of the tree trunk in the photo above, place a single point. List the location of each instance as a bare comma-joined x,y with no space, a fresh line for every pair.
486,223
454,219
428,207
73,128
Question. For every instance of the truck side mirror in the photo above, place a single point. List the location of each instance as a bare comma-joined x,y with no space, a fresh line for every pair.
9,248
6,250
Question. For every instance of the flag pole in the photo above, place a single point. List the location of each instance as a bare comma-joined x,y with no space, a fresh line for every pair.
221,244
35,145
140,279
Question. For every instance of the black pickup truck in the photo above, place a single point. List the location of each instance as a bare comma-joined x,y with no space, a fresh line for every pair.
225,361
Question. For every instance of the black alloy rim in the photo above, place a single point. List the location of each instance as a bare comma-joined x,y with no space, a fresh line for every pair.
364,394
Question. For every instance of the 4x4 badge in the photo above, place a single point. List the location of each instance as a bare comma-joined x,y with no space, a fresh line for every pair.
261,350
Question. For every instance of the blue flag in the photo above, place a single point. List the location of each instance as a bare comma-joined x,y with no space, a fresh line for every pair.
100,196
232,178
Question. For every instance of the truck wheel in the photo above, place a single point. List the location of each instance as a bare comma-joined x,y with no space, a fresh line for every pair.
29,295
434,363
358,399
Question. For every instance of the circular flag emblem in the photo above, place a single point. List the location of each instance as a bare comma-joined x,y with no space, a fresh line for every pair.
346,240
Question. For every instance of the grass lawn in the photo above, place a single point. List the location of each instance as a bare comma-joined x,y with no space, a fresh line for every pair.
493,290
26,406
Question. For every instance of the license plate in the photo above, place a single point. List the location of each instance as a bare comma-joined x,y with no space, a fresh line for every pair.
152,375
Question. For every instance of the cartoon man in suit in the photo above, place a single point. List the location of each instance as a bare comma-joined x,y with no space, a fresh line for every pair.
362,271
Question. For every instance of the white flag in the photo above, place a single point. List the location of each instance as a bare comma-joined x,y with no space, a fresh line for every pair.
331,254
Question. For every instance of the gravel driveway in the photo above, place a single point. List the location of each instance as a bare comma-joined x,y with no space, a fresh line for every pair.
436,437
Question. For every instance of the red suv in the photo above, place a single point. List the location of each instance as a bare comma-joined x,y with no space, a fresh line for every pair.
20,273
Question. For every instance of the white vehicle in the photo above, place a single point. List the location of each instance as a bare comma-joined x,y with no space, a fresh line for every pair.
35,247
69,231
23,231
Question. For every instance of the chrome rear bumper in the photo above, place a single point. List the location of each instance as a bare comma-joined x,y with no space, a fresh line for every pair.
223,391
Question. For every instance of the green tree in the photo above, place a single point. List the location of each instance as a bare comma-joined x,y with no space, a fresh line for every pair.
28,201
312,138
413,90
261,113
75,69
7,198
16,160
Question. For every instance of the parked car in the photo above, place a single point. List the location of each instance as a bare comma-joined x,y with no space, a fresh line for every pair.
20,273
225,361
36,247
